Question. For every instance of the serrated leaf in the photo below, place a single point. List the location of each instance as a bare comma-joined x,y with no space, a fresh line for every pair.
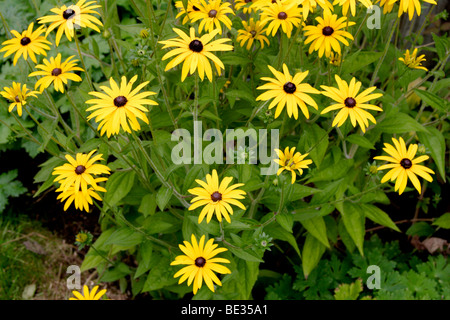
443,221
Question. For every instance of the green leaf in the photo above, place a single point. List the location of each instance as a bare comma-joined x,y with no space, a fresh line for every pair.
162,222
421,229
345,237
315,141
148,205
348,291
399,123
163,196
116,273
359,59
160,276
235,59
300,191
285,220
442,45
125,237
443,221
332,172
433,100
354,221
277,232
360,141
317,228
145,250
245,254
241,94
313,250
378,216
435,142
118,186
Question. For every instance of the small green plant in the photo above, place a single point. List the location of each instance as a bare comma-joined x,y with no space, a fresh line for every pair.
9,187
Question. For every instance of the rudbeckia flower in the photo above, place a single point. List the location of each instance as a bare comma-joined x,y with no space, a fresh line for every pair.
29,43
410,6
310,6
56,72
216,197
281,14
335,59
403,165
288,91
351,103
120,106
186,12
66,19
201,263
78,173
80,199
18,96
326,35
195,52
346,4
245,5
412,61
290,160
212,14
252,31
93,295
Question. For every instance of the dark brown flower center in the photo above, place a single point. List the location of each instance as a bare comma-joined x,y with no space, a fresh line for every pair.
56,72
247,1
350,102
196,46
212,13
17,99
195,8
282,16
406,163
80,169
24,41
200,262
327,31
68,14
289,87
216,196
253,33
120,101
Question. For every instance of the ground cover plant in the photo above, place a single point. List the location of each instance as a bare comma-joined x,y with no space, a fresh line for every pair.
237,149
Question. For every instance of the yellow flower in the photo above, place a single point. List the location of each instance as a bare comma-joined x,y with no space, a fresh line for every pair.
386,4
410,6
262,4
290,161
310,5
346,4
288,91
66,19
252,31
212,14
335,59
78,172
81,237
120,106
325,35
93,295
403,165
17,95
81,199
29,43
201,264
186,12
281,14
245,5
216,197
195,52
56,72
412,61
351,103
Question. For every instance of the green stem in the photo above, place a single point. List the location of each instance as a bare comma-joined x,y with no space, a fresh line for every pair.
88,77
